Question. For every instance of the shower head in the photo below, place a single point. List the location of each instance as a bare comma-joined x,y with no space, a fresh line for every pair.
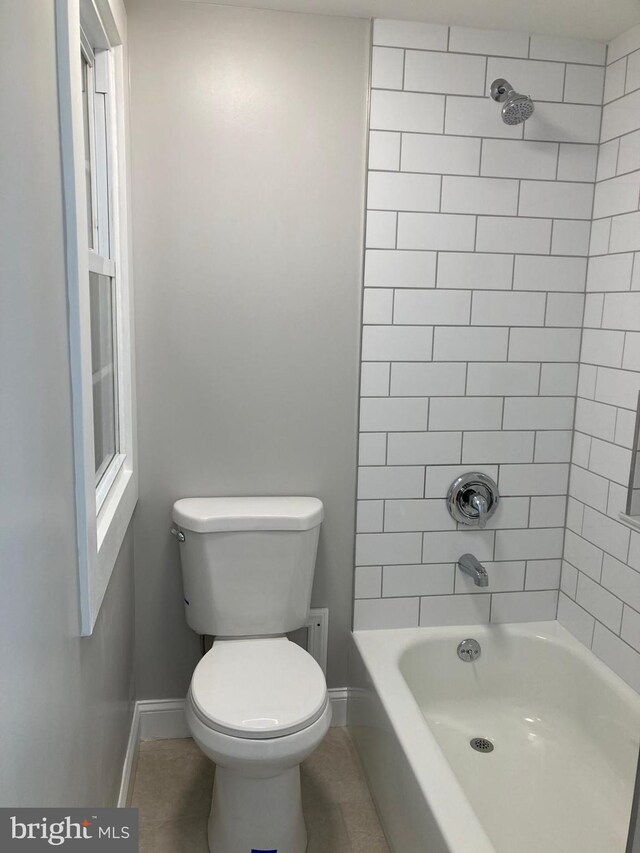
516,108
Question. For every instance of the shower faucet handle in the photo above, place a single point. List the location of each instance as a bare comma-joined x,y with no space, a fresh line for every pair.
472,499
480,503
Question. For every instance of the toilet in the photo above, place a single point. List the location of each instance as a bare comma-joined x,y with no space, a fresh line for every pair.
257,704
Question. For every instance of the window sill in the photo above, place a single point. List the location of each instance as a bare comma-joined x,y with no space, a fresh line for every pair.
112,524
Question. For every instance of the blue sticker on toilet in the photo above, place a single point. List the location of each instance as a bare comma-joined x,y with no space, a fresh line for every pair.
263,851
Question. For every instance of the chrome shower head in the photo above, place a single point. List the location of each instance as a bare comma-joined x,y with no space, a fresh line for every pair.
516,108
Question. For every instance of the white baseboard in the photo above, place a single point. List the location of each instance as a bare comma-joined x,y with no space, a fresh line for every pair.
130,760
339,697
163,719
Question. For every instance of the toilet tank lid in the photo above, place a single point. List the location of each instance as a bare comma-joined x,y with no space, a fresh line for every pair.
210,515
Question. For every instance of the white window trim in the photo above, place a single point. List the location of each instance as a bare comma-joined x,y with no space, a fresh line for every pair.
103,515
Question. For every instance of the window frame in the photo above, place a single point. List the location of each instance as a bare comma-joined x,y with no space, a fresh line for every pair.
103,509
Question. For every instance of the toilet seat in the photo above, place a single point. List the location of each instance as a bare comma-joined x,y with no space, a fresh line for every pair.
258,688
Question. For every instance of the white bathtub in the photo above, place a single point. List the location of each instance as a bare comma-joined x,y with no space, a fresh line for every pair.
565,731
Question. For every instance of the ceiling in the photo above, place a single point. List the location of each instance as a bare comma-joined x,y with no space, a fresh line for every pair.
591,19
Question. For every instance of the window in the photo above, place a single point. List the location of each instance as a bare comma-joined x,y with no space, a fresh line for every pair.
91,63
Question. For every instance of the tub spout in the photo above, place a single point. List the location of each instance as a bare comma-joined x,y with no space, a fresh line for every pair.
470,566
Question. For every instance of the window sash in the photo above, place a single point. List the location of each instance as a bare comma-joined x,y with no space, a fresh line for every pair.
87,60
103,159
101,265
108,479
107,407
106,403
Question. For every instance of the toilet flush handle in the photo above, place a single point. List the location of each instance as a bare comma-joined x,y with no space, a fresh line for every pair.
178,534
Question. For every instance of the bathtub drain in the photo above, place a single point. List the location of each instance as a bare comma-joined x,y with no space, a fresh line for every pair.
481,744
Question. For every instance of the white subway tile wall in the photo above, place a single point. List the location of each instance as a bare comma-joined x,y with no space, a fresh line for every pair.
600,587
476,263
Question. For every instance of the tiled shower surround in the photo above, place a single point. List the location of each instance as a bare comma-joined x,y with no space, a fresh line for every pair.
600,597
478,239
477,244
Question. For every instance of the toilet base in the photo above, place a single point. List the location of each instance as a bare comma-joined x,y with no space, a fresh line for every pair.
251,815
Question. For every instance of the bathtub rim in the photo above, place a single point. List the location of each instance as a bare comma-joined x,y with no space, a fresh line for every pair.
381,650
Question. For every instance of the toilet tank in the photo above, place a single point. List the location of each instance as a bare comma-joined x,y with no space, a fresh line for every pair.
248,563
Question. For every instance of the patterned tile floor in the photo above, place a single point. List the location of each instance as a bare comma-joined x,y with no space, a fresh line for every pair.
173,783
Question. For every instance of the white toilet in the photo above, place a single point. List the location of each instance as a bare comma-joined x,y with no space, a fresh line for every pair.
258,703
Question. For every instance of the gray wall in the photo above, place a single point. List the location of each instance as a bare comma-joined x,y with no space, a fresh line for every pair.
248,141
65,705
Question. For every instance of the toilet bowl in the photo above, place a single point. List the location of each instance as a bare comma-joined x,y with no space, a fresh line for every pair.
257,708
258,703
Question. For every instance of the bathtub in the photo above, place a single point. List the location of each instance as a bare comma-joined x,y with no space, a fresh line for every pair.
565,732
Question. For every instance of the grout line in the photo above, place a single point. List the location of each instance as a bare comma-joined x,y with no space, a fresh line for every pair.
473,95
618,157
493,55
424,213
608,237
503,138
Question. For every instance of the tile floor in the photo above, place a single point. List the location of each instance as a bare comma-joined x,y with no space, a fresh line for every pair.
172,789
